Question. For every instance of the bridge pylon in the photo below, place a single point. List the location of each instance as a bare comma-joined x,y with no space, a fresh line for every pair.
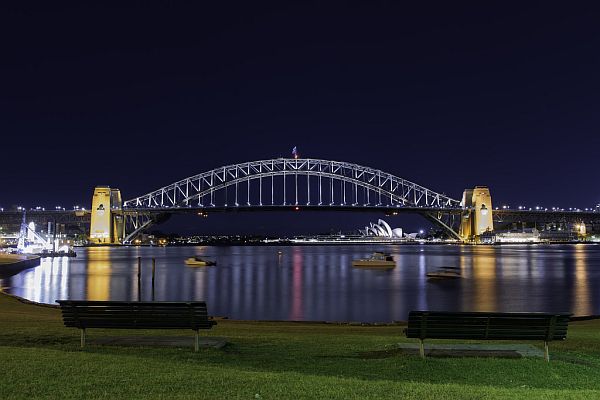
477,216
107,224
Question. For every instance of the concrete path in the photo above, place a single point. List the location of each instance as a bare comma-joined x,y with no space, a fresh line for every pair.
474,350
159,341
11,264
16,258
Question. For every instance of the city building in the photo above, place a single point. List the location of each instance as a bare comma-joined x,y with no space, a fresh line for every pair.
527,235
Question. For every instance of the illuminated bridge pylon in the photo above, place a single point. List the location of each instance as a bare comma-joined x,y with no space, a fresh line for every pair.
285,182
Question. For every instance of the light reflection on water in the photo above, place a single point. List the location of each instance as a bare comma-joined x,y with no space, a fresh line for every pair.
319,283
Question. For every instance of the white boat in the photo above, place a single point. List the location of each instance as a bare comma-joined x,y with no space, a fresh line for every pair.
377,260
199,262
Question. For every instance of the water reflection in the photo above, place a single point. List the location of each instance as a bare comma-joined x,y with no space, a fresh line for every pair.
484,279
296,312
319,283
43,284
581,295
98,274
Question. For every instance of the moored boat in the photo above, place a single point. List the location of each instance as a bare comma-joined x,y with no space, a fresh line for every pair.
444,273
199,262
377,260
58,253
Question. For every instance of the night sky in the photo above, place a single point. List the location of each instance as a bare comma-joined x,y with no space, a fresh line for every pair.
448,95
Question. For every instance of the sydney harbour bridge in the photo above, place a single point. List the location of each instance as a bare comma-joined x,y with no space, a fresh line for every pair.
296,184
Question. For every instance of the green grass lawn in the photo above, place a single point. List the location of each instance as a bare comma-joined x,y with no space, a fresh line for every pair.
39,358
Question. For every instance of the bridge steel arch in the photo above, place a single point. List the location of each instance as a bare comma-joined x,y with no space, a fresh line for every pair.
293,182
378,185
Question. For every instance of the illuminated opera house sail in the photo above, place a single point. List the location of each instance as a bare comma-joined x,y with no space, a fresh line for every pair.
381,229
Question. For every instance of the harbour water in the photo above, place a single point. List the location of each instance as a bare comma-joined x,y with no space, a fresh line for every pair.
318,283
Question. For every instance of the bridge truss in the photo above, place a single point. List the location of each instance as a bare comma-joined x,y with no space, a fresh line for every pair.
286,183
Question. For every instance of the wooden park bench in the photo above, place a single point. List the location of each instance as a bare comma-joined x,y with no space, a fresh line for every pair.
136,315
487,326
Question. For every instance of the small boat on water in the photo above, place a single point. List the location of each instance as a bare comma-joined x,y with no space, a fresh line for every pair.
58,253
199,262
377,260
444,273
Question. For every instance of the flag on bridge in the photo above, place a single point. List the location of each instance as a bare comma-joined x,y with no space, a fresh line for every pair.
295,152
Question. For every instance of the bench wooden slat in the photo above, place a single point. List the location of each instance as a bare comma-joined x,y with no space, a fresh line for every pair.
84,314
185,315
487,326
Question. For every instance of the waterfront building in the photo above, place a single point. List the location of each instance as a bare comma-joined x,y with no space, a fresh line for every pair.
382,229
527,235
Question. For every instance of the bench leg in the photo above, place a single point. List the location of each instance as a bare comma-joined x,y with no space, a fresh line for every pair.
546,352
82,338
421,348
196,341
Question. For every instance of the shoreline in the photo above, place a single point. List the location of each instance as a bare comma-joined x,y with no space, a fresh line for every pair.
340,243
12,264
23,300
266,321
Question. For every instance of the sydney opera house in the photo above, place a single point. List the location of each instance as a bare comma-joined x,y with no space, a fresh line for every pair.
381,229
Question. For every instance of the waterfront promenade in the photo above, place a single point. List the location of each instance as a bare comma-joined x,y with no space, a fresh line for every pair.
11,264
276,360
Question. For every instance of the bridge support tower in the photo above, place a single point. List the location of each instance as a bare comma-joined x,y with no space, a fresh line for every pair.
477,216
107,224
